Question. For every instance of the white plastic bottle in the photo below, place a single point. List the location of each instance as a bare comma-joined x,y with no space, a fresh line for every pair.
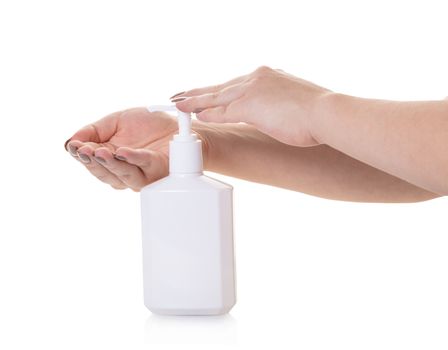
187,224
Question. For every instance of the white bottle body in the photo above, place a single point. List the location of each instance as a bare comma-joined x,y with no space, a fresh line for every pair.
188,249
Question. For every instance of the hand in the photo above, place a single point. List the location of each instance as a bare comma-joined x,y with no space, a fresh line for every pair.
127,148
276,103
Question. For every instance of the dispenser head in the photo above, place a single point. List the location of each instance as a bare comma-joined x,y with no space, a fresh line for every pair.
185,148
183,120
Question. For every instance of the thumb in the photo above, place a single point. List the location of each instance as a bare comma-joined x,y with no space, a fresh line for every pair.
87,134
98,132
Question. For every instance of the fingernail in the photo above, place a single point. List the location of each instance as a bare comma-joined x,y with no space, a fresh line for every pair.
179,93
84,158
100,159
116,156
73,150
178,99
65,144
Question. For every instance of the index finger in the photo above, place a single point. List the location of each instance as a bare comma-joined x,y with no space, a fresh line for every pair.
209,89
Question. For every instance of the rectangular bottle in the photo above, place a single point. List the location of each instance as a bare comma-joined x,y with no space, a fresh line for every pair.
187,228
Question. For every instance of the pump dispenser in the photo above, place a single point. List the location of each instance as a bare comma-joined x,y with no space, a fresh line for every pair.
187,229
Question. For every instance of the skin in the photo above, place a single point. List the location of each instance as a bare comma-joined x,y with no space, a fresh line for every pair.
127,149
271,127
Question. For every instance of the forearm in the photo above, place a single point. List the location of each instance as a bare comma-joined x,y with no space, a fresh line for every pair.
241,151
406,139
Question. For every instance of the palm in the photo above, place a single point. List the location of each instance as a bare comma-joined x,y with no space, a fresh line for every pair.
130,147
137,128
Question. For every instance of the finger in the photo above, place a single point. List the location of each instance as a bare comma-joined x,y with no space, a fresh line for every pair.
214,99
153,164
209,89
129,174
214,114
234,112
86,157
73,146
100,131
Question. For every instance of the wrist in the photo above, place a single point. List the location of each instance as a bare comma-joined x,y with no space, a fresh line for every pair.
329,108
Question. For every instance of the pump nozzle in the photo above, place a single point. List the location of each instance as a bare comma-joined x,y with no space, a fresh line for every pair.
185,148
183,119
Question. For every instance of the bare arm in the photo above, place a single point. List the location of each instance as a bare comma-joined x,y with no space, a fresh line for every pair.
406,139
242,151
129,149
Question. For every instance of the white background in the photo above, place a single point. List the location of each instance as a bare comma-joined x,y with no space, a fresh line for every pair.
312,273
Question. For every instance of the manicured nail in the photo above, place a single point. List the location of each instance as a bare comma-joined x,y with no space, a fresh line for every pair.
65,144
116,156
84,158
100,159
178,99
179,93
73,150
